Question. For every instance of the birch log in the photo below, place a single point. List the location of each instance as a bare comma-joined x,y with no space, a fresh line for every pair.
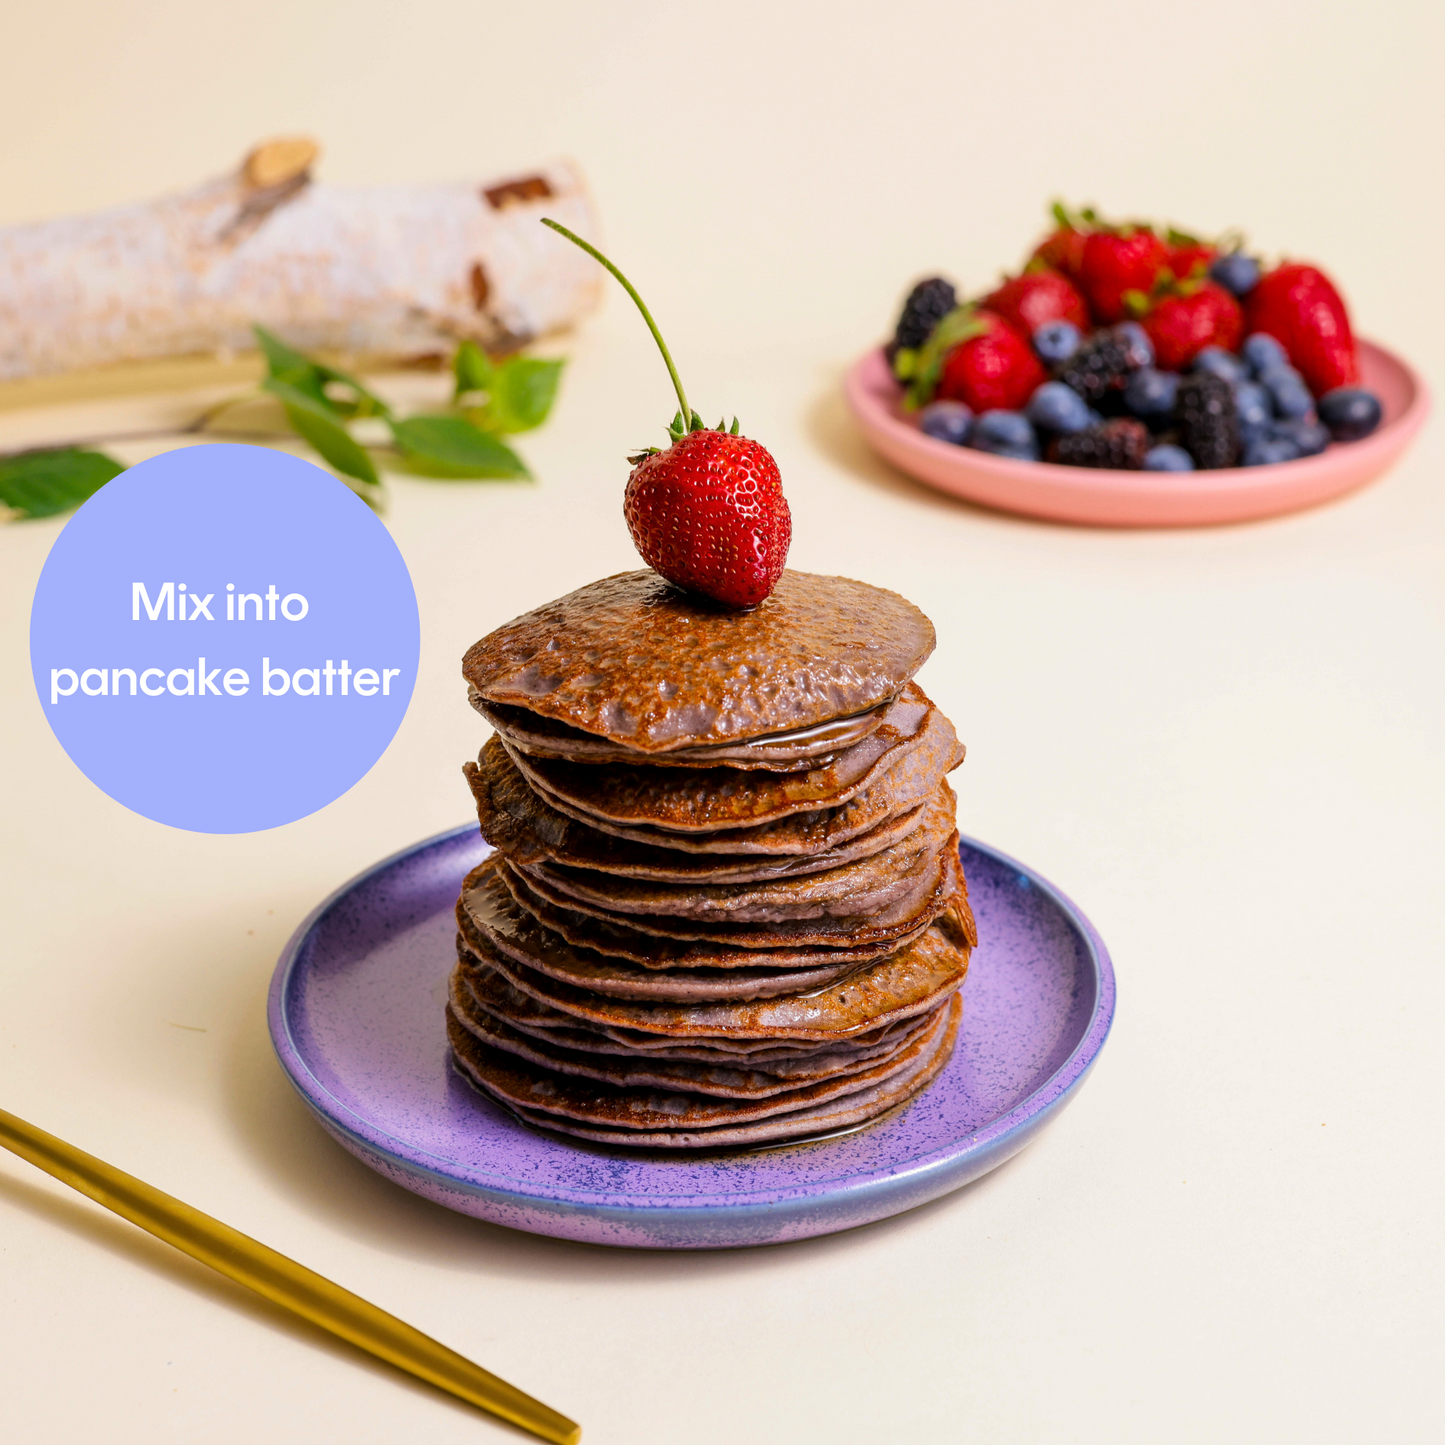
395,270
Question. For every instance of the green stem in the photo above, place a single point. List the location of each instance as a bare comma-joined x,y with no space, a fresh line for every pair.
641,306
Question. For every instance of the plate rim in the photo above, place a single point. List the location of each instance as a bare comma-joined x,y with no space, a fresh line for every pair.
991,1140
1099,497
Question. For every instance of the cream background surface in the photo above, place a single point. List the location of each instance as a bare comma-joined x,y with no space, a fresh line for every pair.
1225,744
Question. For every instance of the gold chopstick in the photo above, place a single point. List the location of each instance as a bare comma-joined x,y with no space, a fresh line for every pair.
282,1280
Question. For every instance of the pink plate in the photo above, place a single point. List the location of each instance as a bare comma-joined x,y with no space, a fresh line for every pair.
1142,499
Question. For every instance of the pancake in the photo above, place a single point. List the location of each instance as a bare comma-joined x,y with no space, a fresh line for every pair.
726,905
493,994
488,910
902,985
863,886
794,751
930,893
609,935
908,781
684,800
826,1118
634,660
519,1081
521,823
634,1071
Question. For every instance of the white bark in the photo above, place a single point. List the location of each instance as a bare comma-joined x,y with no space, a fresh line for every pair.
393,270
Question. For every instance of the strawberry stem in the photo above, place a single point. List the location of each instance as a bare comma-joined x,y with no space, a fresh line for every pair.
686,411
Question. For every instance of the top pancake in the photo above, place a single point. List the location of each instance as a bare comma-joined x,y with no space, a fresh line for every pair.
794,751
633,660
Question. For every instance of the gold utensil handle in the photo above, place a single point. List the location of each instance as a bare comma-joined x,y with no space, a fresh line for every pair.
282,1280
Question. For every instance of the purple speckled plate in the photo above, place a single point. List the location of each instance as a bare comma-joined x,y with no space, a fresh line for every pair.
356,1016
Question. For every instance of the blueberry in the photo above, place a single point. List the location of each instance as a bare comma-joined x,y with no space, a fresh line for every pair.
1310,436
1268,451
1221,363
1057,341
1290,395
1236,272
1254,409
1005,433
1010,428
1057,408
1168,459
1141,349
1350,412
1150,394
1263,352
948,421
1279,376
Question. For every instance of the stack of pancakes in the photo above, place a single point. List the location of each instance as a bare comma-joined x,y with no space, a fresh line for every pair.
725,905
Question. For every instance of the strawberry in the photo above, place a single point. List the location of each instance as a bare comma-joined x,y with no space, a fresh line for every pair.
1189,317
1041,295
992,369
1116,260
1299,306
1188,257
1063,248
709,515
707,512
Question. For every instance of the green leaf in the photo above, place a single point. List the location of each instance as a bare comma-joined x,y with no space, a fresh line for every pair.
286,365
281,360
905,362
522,393
519,391
450,446
44,484
1135,302
324,430
472,368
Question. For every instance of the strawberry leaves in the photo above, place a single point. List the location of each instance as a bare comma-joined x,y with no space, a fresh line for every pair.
676,430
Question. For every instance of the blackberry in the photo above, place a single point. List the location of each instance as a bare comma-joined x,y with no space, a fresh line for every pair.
1207,419
1101,366
928,303
1120,444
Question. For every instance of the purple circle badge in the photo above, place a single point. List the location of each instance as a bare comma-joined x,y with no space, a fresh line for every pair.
224,638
